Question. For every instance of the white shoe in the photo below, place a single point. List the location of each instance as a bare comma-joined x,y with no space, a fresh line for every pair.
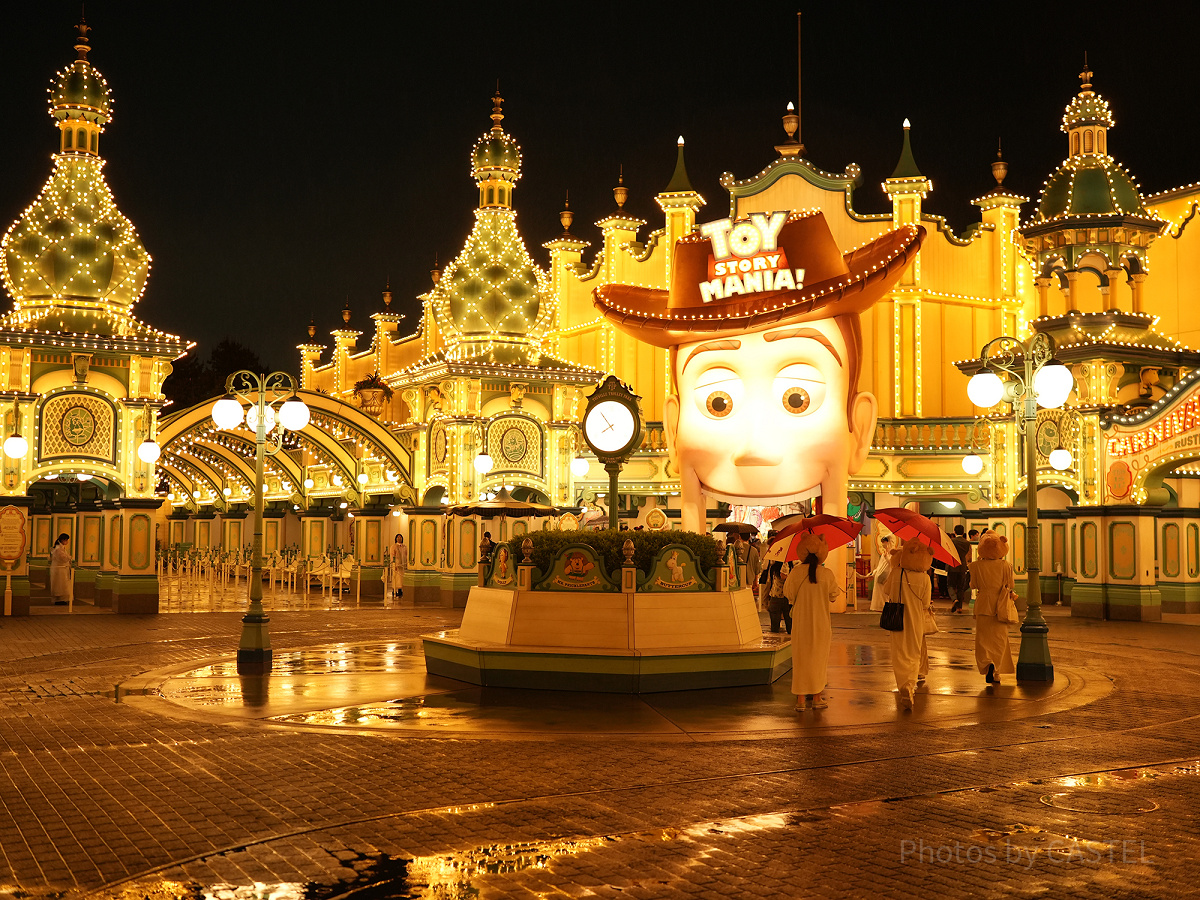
819,702
906,698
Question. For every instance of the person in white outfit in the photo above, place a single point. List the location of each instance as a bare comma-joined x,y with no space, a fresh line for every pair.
810,587
60,568
992,579
879,574
909,584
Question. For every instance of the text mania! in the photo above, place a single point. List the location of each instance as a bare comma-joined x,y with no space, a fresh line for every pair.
746,258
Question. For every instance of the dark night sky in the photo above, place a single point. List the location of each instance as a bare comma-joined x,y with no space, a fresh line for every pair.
276,161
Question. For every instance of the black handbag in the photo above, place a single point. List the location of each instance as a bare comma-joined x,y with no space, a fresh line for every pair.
892,617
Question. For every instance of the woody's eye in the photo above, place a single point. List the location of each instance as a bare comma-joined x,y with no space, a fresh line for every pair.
718,392
719,404
796,401
800,389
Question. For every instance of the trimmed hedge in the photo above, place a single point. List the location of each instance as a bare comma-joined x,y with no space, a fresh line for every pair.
608,543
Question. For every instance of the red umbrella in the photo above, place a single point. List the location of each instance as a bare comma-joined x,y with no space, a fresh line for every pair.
905,524
835,529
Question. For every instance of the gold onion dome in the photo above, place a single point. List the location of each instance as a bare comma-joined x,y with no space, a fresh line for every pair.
490,297
496,153
72,247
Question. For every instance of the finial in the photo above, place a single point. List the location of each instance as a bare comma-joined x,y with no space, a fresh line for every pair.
999,167
312,327
620,192
1086,75
387,293
791,124
907,124
81,41
497,114
681,140
435,274
346,312
566,216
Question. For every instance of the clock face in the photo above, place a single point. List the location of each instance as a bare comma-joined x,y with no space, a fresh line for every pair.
513,445
609,426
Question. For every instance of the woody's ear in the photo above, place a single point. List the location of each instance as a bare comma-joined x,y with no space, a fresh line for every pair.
864,412
671,423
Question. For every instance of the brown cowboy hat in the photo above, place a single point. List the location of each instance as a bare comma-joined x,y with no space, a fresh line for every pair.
835,284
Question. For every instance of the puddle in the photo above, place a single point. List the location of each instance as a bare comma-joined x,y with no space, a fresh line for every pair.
338,659
1032,841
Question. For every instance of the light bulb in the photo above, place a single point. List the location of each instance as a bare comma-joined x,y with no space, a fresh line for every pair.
1052,385
308,483
972,464
227,413
15,446
579,467
337,479
362,478
226,491
83,476
948,504
483,463
294,415
1060,459
149,451
985,389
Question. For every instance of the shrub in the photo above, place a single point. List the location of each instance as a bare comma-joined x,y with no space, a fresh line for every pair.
608,543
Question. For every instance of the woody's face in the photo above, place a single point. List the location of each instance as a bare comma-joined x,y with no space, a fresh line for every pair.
763,416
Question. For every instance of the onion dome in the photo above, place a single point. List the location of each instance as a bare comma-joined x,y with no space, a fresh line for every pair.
496,153
72,246
489,299
1089,182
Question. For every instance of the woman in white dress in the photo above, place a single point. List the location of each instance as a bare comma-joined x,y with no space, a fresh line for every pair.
60,568
879,574
909,584
992,578
810,587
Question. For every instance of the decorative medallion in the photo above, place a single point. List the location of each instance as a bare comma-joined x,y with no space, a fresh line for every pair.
1047,437
1120,479
439,446
78,426
514,445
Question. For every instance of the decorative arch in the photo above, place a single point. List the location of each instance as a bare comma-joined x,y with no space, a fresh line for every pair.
340,442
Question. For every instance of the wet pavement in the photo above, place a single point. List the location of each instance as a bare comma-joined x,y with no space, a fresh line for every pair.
135,763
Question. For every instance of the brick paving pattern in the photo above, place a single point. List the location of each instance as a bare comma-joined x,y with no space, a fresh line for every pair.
134,799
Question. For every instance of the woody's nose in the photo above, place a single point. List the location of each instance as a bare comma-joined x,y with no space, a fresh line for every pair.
757,448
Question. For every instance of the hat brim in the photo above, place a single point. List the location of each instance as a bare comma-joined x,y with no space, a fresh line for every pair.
873,269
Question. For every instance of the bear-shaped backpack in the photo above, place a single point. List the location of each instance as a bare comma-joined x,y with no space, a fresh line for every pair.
812,543
911,556
992,579
992,545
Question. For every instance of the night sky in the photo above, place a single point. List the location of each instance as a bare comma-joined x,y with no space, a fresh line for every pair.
277,161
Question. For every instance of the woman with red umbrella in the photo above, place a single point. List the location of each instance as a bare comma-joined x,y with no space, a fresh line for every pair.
811,588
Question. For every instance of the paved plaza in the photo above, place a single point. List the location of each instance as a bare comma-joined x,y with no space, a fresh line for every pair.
135,763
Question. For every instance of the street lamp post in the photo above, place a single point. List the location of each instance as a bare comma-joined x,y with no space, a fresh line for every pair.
254,650
1035,379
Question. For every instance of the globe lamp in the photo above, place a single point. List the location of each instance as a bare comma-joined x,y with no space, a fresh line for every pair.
985,389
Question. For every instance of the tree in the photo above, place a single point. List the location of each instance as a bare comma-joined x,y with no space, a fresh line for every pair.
196,380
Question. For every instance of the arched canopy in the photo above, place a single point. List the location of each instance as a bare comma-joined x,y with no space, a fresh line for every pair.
340,445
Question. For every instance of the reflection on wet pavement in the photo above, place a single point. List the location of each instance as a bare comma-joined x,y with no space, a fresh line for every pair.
384,686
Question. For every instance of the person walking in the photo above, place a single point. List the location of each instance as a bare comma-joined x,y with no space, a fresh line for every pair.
399,565
992,578
60,569
879,574
909,584
753,565
777,604
960,576
810,587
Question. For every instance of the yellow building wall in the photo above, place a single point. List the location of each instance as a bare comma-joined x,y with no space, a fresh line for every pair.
1172,291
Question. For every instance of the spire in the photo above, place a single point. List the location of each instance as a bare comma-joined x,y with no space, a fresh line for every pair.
497,104
346,312
620,192
312,328
435,274
387,293
679,183
1085,77
81,41
907,166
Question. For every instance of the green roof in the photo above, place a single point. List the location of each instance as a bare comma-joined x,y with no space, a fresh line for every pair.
1090,185
79,86
679,183
907,166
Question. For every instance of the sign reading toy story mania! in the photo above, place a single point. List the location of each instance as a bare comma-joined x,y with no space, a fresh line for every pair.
675,571
576,568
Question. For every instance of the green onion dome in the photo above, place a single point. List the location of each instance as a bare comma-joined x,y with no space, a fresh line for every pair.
1090,185
79,90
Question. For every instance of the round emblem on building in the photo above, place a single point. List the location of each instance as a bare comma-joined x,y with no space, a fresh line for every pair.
514,445
1047,437
78,426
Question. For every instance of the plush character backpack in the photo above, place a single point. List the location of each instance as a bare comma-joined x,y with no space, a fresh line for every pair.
812,543
992,545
